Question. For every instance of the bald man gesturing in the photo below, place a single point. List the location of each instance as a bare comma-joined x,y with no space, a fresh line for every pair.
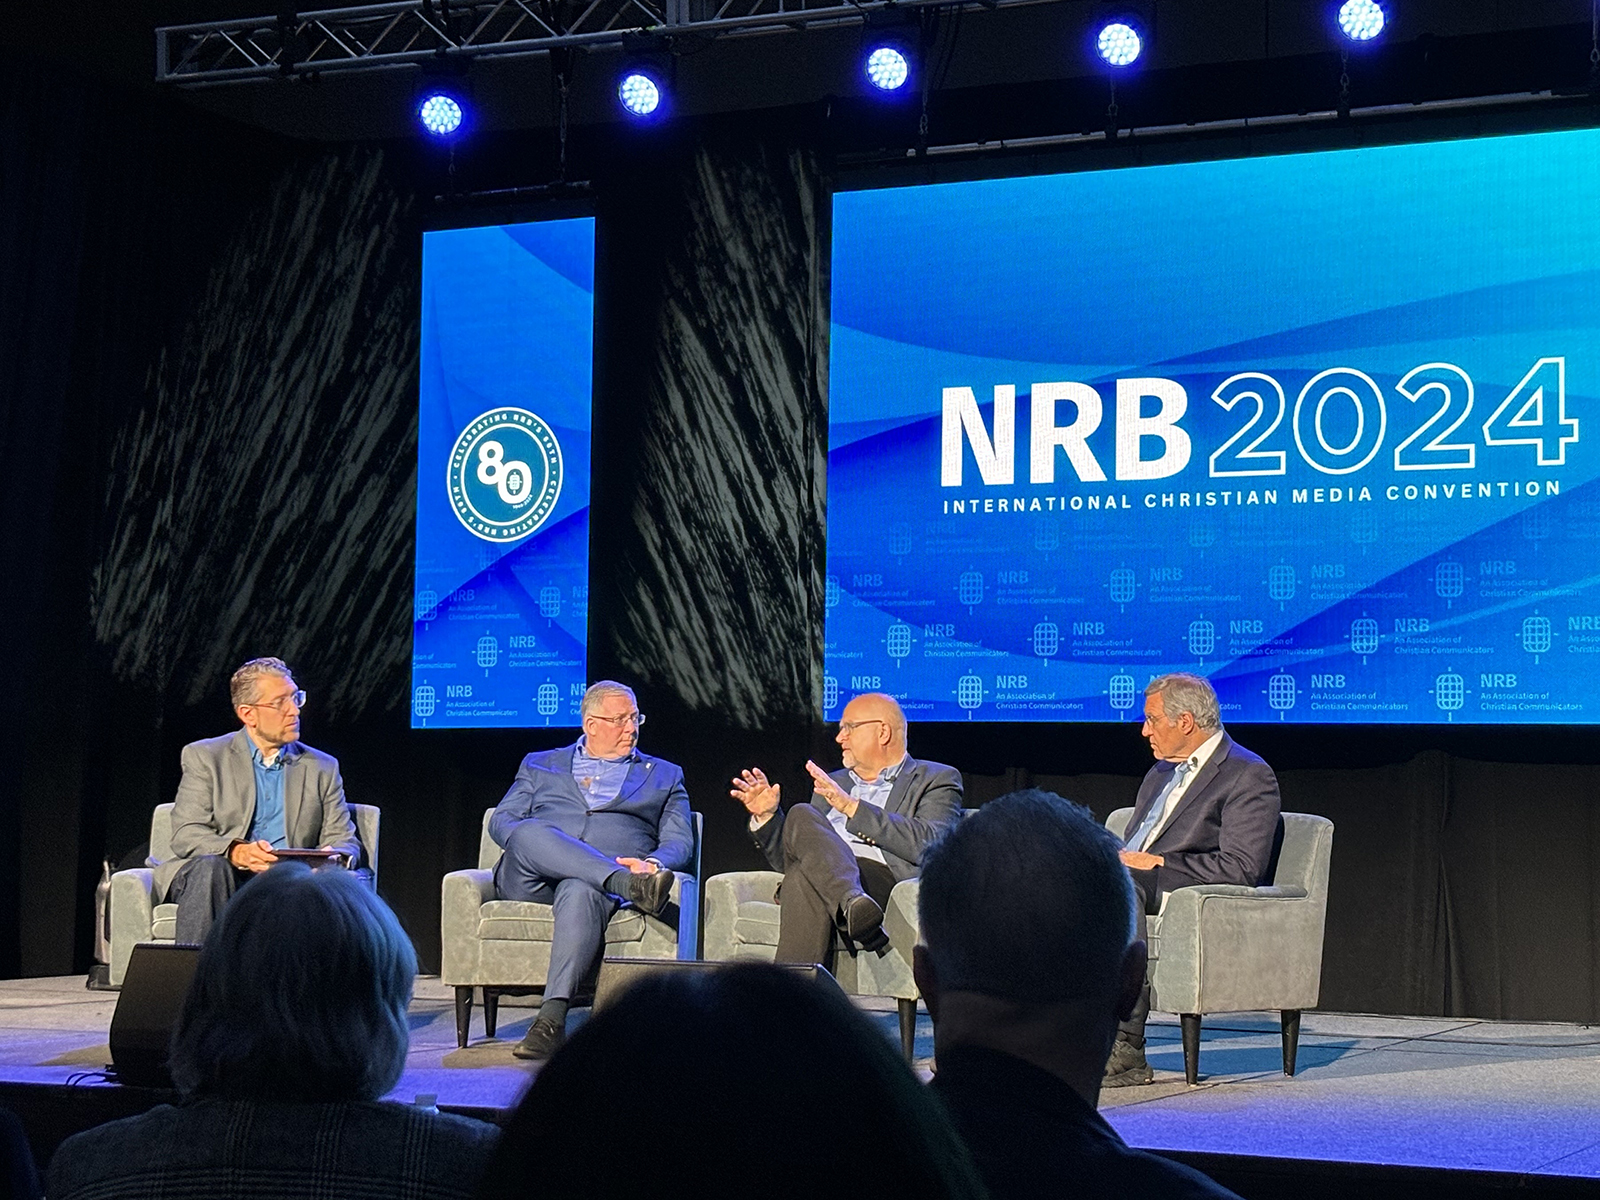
866,828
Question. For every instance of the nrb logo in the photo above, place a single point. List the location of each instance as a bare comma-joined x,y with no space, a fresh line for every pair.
505,474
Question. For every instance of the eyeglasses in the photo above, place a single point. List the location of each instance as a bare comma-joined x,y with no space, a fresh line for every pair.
852,726
298,699
635,719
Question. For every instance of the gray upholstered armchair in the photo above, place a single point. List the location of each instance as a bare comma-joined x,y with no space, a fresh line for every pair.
742,925
136,917
504,945
1224,948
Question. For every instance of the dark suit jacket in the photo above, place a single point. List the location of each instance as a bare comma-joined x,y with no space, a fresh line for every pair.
1032,1135
216,802
648,819
1223,829
924,802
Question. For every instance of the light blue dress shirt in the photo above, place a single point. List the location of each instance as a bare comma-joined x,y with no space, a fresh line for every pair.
268,823
874,792
600,779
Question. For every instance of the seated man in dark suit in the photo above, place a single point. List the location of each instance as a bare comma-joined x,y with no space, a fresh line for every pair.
246,794
1207,812
585,828
1027,964
865,829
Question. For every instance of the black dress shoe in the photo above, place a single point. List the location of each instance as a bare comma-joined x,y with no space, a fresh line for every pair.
650,893
542,1040
861,918
1126,1067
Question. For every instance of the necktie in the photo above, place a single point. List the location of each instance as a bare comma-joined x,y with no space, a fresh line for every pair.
1137,839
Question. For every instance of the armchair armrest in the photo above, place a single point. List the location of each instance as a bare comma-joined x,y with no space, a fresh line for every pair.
1225,948
1234,890
900,918
461,895
723,895
132,915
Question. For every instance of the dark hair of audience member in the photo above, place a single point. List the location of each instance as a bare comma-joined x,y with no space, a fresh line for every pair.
300,994
746,1080
1062,937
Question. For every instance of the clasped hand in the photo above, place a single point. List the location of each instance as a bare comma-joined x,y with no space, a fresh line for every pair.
252,856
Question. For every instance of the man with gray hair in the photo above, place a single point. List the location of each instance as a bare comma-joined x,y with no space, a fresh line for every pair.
586,828
1207,812
1028,961
247,794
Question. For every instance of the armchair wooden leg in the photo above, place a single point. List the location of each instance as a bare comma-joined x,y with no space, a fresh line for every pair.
908,1028
463,1015
491,1011
1191,1047
1291,1038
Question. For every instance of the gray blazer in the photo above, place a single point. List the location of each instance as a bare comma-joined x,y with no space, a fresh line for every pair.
924,802
216,802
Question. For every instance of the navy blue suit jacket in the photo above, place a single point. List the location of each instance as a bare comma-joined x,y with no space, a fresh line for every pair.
1223,829
648,819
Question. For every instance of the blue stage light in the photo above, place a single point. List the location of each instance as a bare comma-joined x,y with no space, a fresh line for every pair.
1361,20
887,68
440,114
640,95
1119,44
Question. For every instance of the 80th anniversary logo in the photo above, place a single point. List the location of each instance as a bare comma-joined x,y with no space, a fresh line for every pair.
504,474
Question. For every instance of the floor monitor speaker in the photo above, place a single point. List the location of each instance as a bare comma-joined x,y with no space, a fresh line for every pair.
153,989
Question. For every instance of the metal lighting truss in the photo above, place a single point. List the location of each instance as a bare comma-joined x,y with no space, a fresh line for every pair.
412,32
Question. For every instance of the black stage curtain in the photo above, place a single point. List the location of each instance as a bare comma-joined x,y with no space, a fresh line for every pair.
208,380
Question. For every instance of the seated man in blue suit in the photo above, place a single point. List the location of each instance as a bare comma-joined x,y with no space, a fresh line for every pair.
584,829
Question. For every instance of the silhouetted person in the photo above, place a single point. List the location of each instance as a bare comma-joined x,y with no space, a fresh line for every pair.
19,1178
746,1080
1028,963
293,1027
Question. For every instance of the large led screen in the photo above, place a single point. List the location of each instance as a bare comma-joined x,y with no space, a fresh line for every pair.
1319,426
502,585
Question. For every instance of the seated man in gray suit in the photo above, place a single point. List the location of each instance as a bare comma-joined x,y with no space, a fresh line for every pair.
246,794
865,829
585,828
1207,812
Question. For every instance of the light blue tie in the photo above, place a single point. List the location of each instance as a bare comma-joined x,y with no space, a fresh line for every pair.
1137,839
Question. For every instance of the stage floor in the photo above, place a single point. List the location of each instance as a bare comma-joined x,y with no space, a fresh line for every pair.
1400,1091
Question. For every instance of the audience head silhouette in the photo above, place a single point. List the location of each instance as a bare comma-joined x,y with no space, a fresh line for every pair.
1027,929
717,1064
300,994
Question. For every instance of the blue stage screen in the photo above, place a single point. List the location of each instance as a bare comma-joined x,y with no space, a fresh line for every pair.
1321,427
502,588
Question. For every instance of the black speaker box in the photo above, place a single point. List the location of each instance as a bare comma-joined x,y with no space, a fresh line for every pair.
617,975
153,989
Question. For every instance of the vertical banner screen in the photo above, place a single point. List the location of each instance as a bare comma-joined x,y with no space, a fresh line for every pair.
1321,427
502,586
